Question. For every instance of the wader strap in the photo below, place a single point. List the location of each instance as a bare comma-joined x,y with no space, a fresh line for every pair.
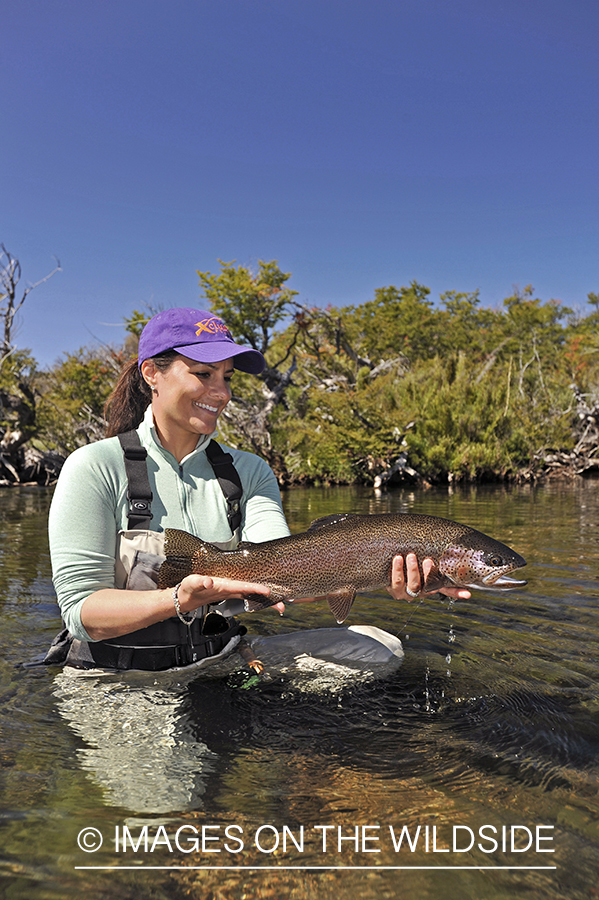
230,483
139,493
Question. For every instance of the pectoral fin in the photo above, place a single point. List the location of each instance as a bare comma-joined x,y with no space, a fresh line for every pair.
340,603
434,581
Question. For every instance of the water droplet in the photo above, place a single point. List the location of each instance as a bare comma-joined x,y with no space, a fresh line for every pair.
427,705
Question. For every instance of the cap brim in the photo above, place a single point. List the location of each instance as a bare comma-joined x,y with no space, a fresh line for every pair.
245,359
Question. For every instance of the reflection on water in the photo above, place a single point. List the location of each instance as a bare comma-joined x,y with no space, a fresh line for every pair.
136,743
141,745
492,719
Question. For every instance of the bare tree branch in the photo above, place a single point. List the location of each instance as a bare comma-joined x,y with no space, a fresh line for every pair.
10,275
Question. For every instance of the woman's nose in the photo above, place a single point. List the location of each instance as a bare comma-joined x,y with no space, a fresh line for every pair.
223,388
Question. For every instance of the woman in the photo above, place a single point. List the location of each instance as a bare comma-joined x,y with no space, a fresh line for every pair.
171,397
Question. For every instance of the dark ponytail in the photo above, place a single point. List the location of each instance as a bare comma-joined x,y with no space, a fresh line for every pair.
125,408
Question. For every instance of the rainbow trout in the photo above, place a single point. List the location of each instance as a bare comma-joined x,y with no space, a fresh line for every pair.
341,555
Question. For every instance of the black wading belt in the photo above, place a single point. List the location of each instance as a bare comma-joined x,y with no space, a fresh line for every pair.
170,643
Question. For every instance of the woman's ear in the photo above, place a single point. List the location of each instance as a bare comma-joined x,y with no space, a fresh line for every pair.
148,373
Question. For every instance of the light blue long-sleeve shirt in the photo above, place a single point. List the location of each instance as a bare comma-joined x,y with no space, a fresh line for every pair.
89,509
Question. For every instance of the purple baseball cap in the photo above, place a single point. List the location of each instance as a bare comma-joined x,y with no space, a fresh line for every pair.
199,335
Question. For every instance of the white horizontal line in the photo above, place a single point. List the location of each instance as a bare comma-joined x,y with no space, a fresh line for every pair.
311,868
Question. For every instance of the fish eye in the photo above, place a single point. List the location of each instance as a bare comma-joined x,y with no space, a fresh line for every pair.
495,561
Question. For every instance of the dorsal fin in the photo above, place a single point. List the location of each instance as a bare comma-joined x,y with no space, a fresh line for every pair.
326,521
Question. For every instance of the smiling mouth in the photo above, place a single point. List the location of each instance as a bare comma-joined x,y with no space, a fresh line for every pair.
212,409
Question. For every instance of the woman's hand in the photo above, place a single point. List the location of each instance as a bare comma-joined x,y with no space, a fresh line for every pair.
112,612
406,582
202,590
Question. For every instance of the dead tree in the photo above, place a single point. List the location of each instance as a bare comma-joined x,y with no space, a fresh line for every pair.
10,275
17,397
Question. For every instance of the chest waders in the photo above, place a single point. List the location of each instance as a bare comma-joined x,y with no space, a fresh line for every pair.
171,643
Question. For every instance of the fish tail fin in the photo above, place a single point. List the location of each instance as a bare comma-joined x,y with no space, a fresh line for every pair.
173,571
184,554
340,603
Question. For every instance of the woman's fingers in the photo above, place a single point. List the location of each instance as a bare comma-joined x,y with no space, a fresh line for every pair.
406,583
202,590
405,577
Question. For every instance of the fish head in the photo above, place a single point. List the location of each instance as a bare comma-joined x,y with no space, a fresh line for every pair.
478,561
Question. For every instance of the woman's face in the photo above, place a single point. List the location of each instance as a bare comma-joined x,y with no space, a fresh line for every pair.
188,397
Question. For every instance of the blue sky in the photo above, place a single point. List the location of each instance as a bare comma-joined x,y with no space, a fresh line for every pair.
360,143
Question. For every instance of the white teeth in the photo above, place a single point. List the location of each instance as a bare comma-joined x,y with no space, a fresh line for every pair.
205,406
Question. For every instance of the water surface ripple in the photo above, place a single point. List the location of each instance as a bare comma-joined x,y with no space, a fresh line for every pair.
492,719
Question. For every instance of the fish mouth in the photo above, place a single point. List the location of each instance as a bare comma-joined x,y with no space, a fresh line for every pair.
503,583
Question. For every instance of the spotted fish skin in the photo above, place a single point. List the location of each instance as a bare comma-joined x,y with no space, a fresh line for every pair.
344,554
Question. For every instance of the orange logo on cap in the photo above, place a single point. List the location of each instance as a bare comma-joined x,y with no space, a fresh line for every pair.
212,326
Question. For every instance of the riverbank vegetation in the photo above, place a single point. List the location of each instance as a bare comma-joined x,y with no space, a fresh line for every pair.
400,387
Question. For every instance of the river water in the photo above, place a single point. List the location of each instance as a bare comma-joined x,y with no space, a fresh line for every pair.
478,751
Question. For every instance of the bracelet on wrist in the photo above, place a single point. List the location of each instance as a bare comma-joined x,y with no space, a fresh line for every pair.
182,615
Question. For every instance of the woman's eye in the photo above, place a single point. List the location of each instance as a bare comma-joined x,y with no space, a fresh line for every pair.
205,376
